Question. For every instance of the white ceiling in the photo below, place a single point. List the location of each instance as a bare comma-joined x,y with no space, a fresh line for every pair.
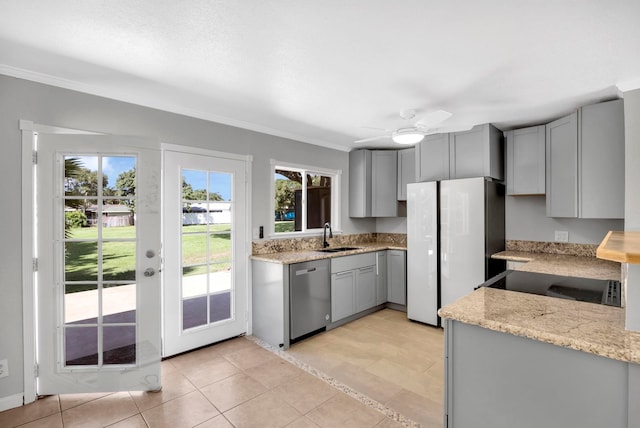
320,71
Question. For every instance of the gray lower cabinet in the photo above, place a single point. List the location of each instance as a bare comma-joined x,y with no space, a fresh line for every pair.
343,285
526,161
397,277
353,285
474,153
585,163
366,288
406,171
373,179
381,277
498,380
270,309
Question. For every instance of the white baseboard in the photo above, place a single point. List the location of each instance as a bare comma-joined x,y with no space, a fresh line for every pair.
10,402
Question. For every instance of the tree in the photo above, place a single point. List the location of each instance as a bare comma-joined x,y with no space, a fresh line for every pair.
126,186
285,194
198,195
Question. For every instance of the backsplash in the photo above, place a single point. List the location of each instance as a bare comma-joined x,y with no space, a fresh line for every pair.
305,244
584,250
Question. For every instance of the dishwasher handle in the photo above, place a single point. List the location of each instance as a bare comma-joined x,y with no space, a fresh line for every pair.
305,271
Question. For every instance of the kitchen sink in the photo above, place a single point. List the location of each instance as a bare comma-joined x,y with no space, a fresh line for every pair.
337,249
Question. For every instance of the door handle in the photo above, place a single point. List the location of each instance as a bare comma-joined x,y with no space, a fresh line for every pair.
149,272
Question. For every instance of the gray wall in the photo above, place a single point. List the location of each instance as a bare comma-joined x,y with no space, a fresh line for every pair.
20,99
526,220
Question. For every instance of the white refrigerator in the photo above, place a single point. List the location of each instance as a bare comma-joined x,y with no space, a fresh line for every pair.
453,228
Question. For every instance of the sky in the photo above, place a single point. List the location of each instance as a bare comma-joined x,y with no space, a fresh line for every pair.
113,166
219,182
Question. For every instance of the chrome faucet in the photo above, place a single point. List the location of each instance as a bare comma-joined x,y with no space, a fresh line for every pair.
325,244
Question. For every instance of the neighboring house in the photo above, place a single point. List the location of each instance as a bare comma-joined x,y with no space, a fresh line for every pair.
199,213
113,215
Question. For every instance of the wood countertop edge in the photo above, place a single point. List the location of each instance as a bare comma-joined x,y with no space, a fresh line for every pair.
619,246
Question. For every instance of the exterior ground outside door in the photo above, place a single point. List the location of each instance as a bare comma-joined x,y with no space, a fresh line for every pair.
98,252
205,274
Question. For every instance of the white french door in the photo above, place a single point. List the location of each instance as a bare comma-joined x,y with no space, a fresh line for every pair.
98,251
205,259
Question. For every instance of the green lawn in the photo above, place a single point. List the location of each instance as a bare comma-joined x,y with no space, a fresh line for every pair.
119,257
284,226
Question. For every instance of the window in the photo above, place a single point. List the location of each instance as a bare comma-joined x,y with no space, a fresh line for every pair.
304,199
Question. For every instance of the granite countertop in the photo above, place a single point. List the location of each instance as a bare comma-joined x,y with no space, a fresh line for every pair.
289,257
560,264
588,327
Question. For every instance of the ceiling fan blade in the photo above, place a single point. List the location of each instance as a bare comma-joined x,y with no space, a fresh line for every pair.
444,129
434,118
366,140
377,129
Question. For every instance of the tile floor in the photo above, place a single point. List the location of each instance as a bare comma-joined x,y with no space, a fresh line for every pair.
239,384
396,362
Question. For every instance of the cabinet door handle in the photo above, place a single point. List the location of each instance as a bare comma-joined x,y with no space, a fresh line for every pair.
366,269
348,272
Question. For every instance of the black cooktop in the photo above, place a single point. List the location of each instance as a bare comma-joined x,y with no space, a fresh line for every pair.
602,291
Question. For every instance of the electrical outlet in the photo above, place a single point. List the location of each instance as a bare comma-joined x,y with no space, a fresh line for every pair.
4,368
562,236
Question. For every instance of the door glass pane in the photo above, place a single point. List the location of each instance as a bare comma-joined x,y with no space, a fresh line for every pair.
119,344
194,185
194,312
119,303
119,261
81,175
119,175
318,200
220,306
81,261
81,346
81,303
194,281
206,247
194,248
220,277
100,274
220,186
219,247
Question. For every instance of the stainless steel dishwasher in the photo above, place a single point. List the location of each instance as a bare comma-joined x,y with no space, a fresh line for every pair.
309,297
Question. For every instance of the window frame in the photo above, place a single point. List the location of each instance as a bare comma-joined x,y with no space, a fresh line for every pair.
304,170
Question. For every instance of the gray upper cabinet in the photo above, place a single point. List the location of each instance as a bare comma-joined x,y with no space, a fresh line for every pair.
585,163
562,167
406,171
373,178
477,153
526,161
474,153
602,160
432,158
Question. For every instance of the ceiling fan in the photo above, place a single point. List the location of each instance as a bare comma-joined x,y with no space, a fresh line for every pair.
414,133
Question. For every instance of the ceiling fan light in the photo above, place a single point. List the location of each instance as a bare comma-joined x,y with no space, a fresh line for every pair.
407,138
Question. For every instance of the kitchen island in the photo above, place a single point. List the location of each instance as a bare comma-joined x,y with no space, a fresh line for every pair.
516,359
